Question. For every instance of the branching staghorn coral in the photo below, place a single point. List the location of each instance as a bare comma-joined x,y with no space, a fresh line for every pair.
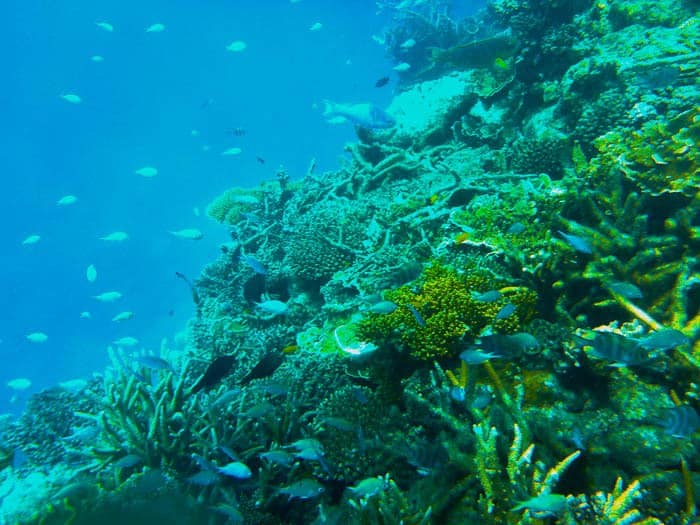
150,422
613,508
518,480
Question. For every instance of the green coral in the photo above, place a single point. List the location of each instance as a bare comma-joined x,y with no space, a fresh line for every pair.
443,301
227,207
662,157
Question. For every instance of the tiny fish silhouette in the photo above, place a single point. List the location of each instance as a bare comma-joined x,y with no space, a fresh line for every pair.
214,373
382,82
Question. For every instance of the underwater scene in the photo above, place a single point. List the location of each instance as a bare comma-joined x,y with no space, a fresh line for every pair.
397,262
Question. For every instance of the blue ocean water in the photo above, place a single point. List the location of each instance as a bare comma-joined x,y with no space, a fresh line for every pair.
170,100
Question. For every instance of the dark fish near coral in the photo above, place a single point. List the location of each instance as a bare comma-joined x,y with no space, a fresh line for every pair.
681,421
627,290
382,82
215,372
265,367
664,339
193,288
617,349
577,243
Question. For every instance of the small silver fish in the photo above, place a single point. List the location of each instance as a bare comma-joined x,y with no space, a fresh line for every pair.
627,290
543,505
368,487
155,362
236,469
664,339
477,357
505,312
304,489
489,296
279,457
383,307
577,243
254,264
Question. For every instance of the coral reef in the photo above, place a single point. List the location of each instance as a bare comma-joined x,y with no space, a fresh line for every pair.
536,205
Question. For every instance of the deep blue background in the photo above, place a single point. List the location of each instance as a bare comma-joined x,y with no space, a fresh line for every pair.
139,108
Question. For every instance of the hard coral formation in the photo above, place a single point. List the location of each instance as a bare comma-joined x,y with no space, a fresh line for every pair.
661,157
324,240
435,314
